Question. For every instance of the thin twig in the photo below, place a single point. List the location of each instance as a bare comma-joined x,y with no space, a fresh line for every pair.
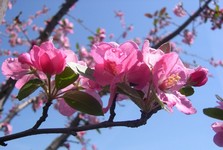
44,115
112,109
81,24
183,26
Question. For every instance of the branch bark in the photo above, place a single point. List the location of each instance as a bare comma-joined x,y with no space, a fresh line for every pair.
72,130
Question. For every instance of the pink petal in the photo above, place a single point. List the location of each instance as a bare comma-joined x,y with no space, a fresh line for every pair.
184,105
64,108
218,139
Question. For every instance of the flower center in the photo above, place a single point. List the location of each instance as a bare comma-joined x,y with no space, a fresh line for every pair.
170,82
111,67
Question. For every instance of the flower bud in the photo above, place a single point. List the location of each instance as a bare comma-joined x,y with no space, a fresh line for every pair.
198,77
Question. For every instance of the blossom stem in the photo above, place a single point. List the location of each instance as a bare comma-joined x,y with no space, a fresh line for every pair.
44,115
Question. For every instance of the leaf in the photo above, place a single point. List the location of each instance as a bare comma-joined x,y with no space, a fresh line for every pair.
162,11
135,95
216,113
218,97
83,102
77,46
187,91
82,70
155,21
98,30
166,47
148,15
67,77
90,38
28,88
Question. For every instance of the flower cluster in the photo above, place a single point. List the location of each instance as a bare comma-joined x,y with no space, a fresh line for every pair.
179,11
150,77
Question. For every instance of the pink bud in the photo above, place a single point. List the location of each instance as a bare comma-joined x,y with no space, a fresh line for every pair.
48,59
198,77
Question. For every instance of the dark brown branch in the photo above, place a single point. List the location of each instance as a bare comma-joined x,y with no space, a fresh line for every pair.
44,115
112,109
6,89
56,18
106,124
59,141
183,26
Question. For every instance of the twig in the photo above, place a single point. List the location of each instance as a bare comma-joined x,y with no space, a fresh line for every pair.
44,115
112,109
16,110
81,24
183,26
56,18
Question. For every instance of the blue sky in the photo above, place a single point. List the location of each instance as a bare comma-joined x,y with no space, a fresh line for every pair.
164,130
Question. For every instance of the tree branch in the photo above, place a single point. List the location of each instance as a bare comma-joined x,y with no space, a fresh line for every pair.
59,141
72,130
56,18
183,26
16,110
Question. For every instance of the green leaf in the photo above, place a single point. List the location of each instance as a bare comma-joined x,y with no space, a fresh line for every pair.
67,77
77,46
187,91
82,70
219,98
155,22
135,95
98,30
90,38
216,113
83,102
28,88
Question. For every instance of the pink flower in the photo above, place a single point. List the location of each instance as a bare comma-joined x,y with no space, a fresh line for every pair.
119,63
198,77
169,76
179,11
47,58
218,138
7,128
188,37
11,67
64,108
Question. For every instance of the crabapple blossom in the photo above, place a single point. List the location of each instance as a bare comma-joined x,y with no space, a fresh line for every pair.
218,128
188,37
179,11
198,77
169,75
119,63
13,68
47,58
7,128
